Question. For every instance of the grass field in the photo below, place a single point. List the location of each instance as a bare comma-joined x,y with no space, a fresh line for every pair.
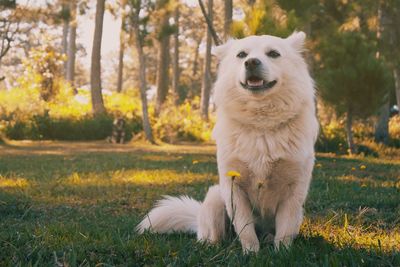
76,204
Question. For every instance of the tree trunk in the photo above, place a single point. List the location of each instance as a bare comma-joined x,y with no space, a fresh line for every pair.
321,136
389,38
142,75
228,18
121,51
175,67
349,132
72,46
64,42
95,73
396,75
209,21
163,65
196,58
382,126
206,84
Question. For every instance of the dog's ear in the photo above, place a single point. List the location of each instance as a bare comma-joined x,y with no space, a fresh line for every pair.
297,40
221,50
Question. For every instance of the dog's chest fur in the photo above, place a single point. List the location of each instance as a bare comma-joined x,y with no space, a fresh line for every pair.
270,160
259,148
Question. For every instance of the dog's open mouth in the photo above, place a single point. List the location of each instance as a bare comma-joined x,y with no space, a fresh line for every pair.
254,83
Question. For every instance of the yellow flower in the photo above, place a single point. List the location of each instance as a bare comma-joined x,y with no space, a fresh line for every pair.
233,174
195,161
353,169
318,165
363,167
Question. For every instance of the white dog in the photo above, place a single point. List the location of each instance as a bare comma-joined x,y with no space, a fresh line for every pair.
266,129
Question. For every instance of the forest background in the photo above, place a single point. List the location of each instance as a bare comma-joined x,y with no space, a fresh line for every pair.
158,71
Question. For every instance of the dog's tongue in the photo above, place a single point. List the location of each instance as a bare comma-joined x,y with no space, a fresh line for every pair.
255,82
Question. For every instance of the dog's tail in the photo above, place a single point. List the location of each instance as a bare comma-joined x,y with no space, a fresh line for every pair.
172,214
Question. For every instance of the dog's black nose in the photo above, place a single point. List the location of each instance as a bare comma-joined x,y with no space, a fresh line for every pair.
252,63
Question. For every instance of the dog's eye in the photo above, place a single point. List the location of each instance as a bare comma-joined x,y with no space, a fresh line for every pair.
273,54
241,54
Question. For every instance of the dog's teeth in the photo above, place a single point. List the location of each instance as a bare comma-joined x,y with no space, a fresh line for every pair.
255,83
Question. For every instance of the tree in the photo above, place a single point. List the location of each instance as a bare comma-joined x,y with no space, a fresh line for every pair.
381,134
44,63
18,23
355,85
396,76
389,21
71,51
382,125
206,84
190,76
121,47
196,57
8,27
65,16
136,6
163,43
228,7
306,16
95,72
175,61
209,21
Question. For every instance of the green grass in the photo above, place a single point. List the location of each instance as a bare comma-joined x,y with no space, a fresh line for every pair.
77,204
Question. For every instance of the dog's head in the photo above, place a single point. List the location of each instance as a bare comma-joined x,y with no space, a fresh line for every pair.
257,66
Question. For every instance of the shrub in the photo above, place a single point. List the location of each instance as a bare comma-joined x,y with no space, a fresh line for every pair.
44,127
181,123
394,131
24,115
332,138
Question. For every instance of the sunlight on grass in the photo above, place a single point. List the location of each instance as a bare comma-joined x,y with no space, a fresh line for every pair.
13,182
148,177
341,233
369,181
161,158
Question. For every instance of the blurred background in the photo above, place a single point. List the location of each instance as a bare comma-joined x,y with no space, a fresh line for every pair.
93,69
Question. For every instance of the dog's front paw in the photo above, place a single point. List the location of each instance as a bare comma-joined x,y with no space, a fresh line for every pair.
283,242
210,235
250,245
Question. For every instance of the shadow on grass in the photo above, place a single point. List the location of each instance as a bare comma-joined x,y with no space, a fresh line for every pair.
183,250
38,167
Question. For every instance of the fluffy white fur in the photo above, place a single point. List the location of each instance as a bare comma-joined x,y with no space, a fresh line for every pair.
267,136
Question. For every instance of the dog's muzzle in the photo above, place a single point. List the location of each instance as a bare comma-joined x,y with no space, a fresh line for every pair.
254,76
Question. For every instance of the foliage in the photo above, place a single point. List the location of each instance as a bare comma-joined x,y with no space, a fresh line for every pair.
43,127
333,139
394,130
25,115
350,77
8,27
76,204
43,68
265,17
182,123
389,47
